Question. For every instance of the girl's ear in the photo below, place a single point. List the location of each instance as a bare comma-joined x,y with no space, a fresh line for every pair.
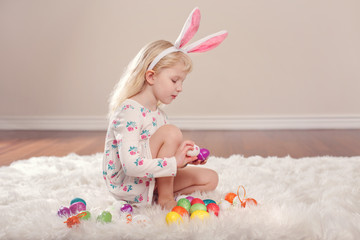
149,76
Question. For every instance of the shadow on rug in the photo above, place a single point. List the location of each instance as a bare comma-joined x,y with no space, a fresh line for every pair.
308,198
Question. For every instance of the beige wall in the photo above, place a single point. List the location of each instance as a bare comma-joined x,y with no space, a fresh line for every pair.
282,58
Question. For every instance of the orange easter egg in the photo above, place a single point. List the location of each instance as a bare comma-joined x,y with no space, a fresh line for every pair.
230,197
180,210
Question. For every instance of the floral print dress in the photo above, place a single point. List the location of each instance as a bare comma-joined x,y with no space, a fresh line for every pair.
128,167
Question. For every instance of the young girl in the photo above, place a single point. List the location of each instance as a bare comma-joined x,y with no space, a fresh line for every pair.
143,152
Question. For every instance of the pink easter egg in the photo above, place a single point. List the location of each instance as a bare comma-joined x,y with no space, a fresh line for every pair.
204,154
64,212
190,198
77,207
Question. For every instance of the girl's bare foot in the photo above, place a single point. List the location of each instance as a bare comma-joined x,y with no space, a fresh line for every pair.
167,203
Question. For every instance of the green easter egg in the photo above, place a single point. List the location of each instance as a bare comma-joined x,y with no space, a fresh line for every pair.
185,203
87,216
104,217
197,206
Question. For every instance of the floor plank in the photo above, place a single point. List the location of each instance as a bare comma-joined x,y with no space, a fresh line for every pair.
17,145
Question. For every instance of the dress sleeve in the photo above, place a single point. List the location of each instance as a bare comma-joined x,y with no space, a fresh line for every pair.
127,125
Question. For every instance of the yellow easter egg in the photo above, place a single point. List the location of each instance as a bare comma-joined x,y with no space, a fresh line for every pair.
173,217
200,214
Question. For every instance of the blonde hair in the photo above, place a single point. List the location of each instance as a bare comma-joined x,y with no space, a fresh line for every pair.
133,79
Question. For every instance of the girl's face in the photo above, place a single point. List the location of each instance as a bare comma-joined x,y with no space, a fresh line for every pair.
167,84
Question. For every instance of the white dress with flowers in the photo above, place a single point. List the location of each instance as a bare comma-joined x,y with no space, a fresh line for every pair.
128,167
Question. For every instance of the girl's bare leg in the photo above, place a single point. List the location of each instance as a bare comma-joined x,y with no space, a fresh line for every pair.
164,143
191,179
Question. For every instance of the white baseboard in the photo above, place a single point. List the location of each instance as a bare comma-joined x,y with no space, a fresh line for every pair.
262,123
53,123
186,123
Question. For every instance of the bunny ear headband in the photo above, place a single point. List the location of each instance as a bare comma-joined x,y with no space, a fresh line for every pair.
189,29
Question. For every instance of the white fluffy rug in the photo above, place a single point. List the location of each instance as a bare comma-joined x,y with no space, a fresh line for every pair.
308,198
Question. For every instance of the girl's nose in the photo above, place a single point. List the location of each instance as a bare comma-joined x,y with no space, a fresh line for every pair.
179,87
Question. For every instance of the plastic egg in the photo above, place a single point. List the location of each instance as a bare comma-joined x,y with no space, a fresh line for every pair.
196,207
207,201
190,198
77,207
126,208
236,202
200,214
78,200
180,210
214,208
173,217
185,203
87,216
104,217
204,154
194,152
64,212
230,197
197,200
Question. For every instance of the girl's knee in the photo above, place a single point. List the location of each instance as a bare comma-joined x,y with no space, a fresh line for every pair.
208,177
213,179
171,133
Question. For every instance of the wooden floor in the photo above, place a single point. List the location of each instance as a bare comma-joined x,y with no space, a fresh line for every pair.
17,145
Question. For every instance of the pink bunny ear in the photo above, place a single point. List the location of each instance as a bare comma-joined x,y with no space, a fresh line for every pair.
207,43
189,29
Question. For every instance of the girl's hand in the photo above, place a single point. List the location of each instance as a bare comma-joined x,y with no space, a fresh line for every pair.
197,162
181,158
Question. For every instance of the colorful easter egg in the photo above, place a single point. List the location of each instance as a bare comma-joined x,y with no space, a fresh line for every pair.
180,210
207,201
78,200
185,203
173,217
197,200
87,216
126,208
104,217
196,207
194,152
230,197
77,207
200,214
190,198
213,208
64,212
204,154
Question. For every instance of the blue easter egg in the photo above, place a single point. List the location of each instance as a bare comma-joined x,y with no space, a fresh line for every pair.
207,201
78,200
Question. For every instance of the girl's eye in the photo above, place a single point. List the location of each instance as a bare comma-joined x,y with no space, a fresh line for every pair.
174,81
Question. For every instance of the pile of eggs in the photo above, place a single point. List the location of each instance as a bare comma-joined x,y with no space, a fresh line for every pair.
193,207
77,205
77,211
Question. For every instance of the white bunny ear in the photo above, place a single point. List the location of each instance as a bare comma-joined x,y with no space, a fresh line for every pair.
189,29
207,43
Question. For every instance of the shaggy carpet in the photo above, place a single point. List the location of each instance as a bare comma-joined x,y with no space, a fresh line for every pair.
308,198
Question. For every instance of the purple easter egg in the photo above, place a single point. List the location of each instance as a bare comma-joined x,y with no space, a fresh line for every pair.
64,212
203,155
190,198
77,207
126,208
